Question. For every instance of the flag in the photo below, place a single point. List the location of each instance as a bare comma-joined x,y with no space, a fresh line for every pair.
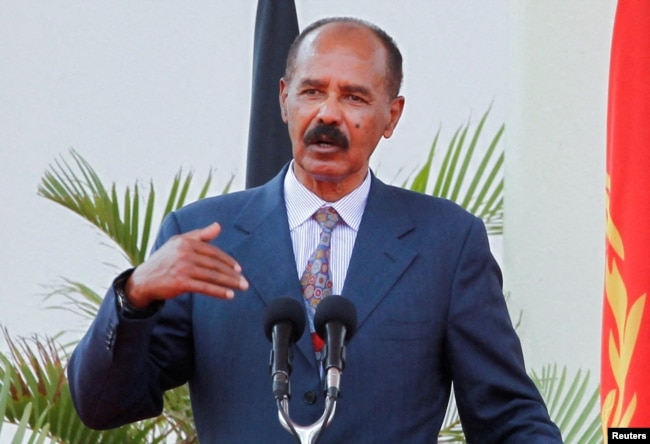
625,358
269,147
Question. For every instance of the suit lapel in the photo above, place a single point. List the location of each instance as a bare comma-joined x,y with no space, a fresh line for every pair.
380,256
266,244
378,260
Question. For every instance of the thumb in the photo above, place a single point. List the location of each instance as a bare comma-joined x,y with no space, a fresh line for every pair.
210,232
206,234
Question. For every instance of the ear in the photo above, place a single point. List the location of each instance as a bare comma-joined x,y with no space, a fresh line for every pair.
396,109
283,99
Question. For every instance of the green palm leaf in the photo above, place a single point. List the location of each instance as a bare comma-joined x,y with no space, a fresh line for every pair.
573,406
77,298
76,186
35,397
421,180
23,432
474,182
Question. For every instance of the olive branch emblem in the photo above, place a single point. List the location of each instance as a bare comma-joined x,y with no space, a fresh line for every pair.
621,342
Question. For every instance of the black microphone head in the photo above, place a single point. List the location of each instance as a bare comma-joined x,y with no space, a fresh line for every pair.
285,309
336,308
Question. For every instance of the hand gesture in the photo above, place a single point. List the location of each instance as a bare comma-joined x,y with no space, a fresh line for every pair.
186,263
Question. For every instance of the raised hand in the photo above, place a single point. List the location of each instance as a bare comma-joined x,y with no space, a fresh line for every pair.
186,263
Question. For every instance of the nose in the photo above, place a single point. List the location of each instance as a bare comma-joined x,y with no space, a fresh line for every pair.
329,111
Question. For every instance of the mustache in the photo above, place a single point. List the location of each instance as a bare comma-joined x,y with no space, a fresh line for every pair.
326,133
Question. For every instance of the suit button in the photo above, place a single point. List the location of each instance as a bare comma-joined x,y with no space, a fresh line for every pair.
310,397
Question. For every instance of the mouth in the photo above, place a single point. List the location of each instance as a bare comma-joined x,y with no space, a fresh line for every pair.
325,144
327,138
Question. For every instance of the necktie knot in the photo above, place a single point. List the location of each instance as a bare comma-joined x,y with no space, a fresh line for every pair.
327,218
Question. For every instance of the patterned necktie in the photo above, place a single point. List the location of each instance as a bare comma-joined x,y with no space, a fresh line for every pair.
316,280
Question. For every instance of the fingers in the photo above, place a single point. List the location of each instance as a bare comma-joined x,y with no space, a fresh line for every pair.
215,273
209,251
187,263
206,235
204,268
213,284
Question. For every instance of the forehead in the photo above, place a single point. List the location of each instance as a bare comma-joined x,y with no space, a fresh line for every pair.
344,46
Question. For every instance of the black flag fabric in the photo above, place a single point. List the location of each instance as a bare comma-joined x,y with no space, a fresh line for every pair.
269,147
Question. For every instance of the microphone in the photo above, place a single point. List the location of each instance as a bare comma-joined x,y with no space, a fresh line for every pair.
284,322
335,322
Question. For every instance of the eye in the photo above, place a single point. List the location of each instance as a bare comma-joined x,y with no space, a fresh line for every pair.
355,98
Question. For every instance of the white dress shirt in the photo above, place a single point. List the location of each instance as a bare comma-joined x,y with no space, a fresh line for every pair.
305,232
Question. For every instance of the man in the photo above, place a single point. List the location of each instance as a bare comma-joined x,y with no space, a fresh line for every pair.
418,269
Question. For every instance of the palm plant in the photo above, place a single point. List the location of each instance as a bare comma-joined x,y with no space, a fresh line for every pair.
23,431
81,190
474,182
35,395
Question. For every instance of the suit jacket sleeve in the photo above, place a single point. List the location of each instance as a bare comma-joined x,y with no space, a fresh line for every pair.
496,399
121,367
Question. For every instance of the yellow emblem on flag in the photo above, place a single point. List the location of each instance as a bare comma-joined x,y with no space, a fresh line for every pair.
622,342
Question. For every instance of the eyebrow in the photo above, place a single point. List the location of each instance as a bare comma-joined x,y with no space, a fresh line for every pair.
312,82
356,89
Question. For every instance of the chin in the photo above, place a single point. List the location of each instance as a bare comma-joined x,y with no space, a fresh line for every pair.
325,174
315,166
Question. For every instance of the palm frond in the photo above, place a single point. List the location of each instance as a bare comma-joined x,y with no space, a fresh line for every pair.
35,396
77,298
474,182
573,406
178,412
421,181
76,186
22,431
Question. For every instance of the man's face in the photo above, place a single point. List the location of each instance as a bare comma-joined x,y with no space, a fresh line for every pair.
337,107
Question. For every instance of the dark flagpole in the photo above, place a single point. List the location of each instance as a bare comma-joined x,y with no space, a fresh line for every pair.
269,147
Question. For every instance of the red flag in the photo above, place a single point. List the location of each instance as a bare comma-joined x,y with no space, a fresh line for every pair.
625,363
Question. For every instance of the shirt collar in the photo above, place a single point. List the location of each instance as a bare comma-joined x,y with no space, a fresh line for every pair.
302,204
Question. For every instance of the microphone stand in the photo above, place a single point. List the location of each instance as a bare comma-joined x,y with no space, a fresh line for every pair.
309,434
337,319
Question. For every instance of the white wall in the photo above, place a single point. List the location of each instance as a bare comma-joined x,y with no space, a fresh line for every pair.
558,55
143,88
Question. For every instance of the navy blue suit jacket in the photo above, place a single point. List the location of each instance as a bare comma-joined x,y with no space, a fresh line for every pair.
430,310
